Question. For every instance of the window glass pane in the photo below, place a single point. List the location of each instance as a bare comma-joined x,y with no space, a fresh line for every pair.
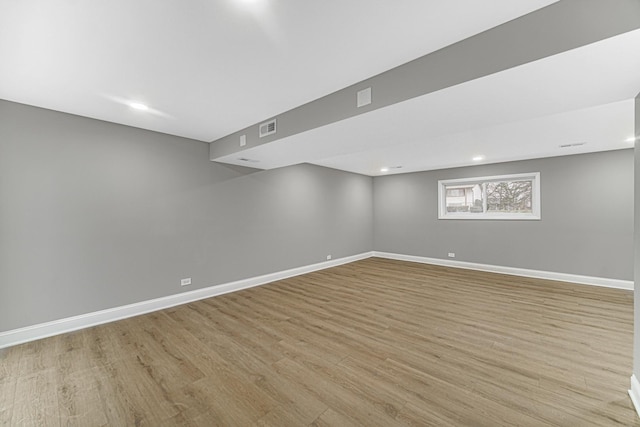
504,197
464,198
509,196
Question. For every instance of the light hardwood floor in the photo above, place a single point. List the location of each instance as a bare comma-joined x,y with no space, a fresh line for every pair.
374,343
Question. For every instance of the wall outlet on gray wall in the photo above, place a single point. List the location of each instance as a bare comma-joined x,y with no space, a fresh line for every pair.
451,254
185,282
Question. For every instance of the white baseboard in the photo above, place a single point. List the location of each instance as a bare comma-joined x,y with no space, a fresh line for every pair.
634,392
538,274
56,327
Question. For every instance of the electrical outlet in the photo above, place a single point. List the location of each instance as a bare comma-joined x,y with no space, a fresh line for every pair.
451,254
185,282
243,140
328,257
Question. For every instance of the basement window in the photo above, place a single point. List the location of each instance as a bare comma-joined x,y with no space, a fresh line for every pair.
490,197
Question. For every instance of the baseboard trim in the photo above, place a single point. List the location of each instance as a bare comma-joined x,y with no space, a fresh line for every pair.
634,393
538,274
70,324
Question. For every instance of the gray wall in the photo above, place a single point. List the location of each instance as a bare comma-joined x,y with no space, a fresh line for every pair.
96,215
586,226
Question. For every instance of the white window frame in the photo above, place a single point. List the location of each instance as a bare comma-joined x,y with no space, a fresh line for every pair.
535,197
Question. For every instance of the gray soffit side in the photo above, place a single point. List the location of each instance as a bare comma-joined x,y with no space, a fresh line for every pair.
332,131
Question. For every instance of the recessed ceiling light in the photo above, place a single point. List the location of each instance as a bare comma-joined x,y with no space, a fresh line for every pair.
384,169
138,106
477,158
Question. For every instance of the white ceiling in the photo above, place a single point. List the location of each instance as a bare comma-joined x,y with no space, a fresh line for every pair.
210,68
581,96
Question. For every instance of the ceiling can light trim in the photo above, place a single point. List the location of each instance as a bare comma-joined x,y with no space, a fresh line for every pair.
385,169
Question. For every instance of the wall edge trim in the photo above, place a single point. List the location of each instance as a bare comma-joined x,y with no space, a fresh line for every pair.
56,327
634,393
523,272
69,324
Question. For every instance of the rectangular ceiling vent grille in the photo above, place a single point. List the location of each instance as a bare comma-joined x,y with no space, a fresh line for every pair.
577,144
268,128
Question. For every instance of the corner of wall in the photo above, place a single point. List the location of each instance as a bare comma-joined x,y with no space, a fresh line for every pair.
634,393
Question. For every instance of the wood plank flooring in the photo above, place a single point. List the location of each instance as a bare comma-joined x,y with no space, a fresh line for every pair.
375,343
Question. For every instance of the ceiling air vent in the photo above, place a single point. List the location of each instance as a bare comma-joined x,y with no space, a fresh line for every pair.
268,128
577,144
